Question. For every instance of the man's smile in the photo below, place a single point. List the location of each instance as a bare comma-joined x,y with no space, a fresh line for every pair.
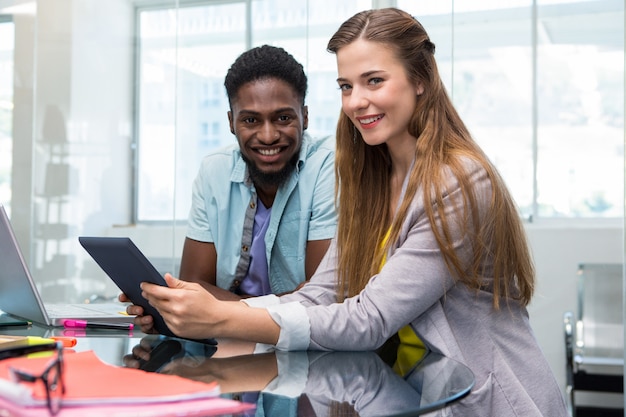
268,152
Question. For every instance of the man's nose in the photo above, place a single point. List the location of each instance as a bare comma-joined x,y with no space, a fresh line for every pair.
268,133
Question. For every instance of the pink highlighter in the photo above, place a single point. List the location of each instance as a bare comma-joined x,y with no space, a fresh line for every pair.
83,324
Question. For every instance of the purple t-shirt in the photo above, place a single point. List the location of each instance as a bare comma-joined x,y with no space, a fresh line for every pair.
257,281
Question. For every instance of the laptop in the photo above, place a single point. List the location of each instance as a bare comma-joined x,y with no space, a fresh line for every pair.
19,295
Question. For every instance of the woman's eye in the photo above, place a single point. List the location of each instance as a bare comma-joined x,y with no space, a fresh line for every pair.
375,81
344,87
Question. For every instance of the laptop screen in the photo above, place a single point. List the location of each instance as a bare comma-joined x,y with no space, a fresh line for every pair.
18,294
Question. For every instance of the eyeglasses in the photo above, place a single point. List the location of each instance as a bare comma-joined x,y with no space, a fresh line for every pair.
52,378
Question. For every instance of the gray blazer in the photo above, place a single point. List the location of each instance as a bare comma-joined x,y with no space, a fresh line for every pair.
414,287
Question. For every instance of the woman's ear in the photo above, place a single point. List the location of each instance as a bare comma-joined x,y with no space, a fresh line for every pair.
419,89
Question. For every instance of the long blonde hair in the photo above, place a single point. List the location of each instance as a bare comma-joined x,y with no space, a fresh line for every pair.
363,177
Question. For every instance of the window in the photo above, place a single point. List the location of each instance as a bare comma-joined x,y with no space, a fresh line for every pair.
540,85
184,54
543,96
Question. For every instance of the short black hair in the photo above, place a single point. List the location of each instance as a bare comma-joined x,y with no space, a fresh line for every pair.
264,62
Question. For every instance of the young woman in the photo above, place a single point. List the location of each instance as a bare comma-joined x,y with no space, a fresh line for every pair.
429,244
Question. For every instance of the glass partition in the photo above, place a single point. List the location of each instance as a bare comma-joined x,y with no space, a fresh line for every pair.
7,41
107,107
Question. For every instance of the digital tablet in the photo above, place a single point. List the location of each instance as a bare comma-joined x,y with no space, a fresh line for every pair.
167,349
124,263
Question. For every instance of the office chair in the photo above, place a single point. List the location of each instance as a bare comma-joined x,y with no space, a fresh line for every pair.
594,343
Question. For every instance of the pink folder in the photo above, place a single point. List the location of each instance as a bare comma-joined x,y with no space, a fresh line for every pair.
192,408
95,388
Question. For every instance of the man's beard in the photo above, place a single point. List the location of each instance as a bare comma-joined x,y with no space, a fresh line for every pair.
271,179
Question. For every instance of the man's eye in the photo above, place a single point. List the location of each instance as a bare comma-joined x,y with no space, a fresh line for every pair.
249,120
284,118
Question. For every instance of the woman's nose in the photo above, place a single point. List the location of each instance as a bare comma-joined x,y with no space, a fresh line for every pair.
356,100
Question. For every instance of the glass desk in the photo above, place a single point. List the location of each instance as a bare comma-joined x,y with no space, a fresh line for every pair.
287,383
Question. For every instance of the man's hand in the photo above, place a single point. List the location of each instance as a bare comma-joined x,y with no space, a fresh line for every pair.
146,323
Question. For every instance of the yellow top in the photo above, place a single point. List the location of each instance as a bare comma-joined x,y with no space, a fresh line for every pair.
411,349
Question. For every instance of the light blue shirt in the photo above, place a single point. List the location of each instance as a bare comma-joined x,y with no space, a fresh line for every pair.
224,204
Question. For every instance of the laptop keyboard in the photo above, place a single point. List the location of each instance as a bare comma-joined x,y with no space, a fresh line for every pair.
83,310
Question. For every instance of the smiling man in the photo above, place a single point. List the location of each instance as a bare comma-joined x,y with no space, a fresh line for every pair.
262,212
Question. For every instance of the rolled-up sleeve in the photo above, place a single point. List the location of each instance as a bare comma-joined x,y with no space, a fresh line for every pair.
295,331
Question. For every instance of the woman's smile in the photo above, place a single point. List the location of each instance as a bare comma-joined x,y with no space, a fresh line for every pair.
368,122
